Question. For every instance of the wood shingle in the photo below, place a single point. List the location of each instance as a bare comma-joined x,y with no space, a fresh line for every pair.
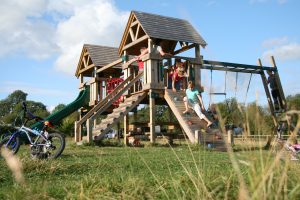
102,55
168,28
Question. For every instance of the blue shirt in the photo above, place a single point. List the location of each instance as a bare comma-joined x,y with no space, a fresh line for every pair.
192,95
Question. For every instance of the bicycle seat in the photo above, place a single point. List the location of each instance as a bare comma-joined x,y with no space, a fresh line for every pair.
31,116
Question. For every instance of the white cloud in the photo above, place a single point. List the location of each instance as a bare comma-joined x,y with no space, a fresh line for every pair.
24,31
43,28
98,22
284,52
274,42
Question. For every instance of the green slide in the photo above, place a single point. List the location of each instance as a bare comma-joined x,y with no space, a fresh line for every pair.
55,118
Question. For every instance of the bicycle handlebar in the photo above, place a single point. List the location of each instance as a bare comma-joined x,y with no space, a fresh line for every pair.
28,115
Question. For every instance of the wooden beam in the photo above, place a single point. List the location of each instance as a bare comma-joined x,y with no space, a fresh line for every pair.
110,65
134,23
135,42
132,34
87,68
184,48
152,116
137,31
236,65
84,62
279,84
267,91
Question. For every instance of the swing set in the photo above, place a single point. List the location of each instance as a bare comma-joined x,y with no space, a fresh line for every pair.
224,93
252,69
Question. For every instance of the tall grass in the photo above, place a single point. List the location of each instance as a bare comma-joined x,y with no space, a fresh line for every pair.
182,171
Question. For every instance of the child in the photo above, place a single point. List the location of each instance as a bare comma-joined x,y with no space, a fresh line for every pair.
178,76
294,148
274,90
192,99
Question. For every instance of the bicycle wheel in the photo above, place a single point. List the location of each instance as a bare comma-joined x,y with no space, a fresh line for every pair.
13,145
55,145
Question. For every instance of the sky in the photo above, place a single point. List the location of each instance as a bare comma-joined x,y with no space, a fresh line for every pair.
41,41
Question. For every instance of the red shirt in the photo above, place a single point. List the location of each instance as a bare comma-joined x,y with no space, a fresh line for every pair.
176,76
140,64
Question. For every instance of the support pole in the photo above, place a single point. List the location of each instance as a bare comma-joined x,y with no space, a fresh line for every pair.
152,116
230,139
281,93
126,117
125,133
197,68
271,106
89,131
77,132
197,137
267,91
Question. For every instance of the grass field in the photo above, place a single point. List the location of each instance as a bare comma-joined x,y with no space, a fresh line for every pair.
153,172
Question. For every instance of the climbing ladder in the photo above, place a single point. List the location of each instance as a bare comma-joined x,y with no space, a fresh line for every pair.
268,93
124,108
192,124
103,105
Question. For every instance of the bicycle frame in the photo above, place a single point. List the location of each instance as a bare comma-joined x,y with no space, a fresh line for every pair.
26,130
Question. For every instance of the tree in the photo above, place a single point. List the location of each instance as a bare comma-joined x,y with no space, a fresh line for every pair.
58,108
11,108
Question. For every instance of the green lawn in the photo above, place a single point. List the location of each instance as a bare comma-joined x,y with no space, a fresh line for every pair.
152,172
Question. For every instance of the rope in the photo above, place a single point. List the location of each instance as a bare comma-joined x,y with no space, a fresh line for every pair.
248,88
236,80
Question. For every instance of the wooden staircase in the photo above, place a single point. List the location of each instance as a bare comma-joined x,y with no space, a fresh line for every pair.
103,105
124,108
206,135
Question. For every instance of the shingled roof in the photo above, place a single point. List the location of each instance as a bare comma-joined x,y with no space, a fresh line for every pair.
102,55
169,28
99,56
162,27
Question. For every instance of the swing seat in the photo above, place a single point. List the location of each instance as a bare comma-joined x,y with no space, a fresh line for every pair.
217,93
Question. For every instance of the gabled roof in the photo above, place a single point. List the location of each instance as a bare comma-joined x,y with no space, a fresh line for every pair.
95,56
161,27
102,55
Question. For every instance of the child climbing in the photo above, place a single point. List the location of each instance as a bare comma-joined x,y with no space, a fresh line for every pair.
178,76
274,91
193,99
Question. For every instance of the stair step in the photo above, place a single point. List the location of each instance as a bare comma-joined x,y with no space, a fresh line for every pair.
107,120
115,115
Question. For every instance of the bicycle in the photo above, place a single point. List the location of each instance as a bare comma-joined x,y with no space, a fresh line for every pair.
43,145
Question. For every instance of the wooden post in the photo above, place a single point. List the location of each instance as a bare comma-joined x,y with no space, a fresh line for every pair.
265,84
126,117
125,133
77,132
89,130
197,137
81,78
271,106
230,136
118,131
281,93
148,65
197,67
152,116
101,90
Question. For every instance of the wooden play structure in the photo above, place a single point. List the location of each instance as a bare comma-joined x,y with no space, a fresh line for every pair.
101,68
